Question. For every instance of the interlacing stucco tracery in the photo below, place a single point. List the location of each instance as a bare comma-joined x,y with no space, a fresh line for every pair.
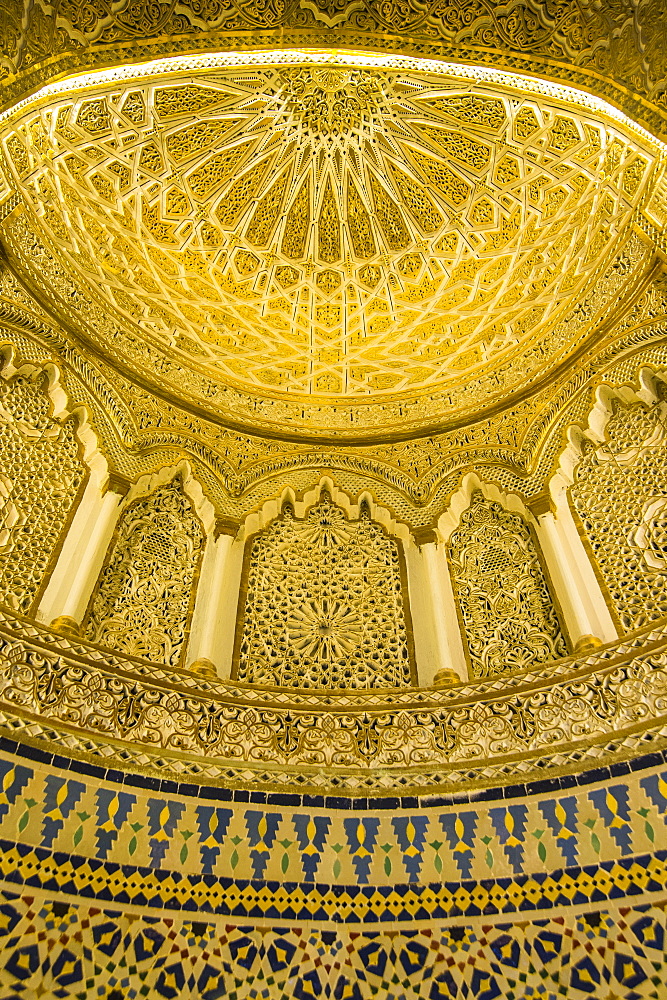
40,475
325,606
620,495
332,230
142,601
508,616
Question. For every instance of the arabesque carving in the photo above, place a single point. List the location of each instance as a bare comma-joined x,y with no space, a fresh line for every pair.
508,617
620,494
142,600
40,475
593,708
325,606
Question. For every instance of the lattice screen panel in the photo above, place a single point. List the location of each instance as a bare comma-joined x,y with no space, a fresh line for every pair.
142,601
40,474
509,620
620,494
324,605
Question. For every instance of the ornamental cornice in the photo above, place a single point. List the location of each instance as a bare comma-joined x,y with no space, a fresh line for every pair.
618,52
598,707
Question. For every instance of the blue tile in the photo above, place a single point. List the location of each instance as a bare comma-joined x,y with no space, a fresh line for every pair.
336,802
93,771
312,801
219,794
34,753
648,760
282,799
599,774
186,788
543,787
388,803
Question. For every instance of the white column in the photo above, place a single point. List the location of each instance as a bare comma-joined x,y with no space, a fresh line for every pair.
209,649
587,617
80,561
437,634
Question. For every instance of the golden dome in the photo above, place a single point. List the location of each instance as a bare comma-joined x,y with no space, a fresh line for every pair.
318,231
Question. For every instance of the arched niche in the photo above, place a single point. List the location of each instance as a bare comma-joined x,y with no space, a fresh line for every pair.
48,450
324,597
613,475
508,613
143,601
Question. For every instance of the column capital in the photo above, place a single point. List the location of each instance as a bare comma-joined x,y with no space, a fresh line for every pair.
543,503
424,534
225,526
118,484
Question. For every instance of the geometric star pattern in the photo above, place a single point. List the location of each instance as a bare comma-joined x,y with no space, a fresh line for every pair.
51,948
328,229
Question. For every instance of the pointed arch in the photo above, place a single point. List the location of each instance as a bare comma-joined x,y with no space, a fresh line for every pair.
614,470
508,615
47,451
324,602
143,600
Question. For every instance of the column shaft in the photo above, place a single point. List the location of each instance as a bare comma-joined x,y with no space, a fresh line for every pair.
210,646
438,642
586,614
81,556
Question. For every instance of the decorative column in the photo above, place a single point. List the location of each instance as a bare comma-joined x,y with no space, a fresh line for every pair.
438,644
587,617
74,576
211,641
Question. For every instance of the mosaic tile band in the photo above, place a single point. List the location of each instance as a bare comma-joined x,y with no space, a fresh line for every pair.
88,951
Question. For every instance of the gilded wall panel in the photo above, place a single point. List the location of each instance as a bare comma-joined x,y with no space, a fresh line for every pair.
325,605
40,475
508,617
142,601
620,495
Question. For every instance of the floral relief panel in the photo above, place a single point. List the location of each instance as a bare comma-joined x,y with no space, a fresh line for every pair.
324,604
509,620
142,601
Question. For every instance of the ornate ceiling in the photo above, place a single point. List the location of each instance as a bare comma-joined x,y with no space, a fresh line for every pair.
333,229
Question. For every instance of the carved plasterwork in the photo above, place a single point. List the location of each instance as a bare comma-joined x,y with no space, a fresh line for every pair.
325,605
597,708
508,617
40,476
143,598
620,495
426,241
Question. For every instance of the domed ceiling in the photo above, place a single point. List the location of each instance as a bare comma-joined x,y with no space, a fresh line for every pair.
331,230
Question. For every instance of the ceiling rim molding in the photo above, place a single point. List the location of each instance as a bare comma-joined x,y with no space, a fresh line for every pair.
333,428
85,54
470,72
